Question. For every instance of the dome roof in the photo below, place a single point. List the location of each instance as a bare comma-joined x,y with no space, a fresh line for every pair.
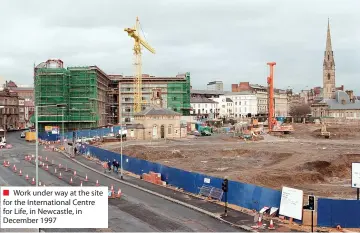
342,97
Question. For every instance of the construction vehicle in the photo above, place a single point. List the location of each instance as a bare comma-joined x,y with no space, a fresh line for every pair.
324,132
273,125
134,33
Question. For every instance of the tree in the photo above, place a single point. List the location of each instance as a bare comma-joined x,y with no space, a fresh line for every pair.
299,110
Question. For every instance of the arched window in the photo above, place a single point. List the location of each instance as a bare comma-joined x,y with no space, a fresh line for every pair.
170,129
328,76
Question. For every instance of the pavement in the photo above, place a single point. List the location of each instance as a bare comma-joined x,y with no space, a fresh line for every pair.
135,211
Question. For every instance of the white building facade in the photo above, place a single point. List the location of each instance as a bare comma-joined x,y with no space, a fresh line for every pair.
244,103
204,107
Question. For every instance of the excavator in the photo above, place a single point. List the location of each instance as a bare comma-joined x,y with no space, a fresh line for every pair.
273,125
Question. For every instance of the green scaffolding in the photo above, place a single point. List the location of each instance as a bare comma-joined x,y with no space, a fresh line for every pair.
178,96
76,87
51,89
83,97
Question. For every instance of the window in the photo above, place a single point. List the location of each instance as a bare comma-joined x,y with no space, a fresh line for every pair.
170,129
328,76
328,57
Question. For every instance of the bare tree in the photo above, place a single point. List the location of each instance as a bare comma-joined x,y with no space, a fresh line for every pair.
299,110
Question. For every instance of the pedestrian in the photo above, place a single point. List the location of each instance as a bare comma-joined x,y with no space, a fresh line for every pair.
114,165
105,166
117,166
109,165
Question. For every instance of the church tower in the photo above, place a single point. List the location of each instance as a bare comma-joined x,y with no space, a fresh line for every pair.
328,68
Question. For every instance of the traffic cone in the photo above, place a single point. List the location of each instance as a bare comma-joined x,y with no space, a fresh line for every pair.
81,183
47,167
112,188
26,157
74,173
20,173
259,224
7,164
27,177
86,178
40,158
60,177
15,169
97,183
71,180
271,226
59,165
46,159
4,163
52,162
33,181
55,171
39,183
43,165
66,169
118,195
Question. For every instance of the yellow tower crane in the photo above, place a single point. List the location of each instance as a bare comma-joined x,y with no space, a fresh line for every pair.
134,33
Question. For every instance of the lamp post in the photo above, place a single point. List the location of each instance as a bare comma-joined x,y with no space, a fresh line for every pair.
37,137
121,152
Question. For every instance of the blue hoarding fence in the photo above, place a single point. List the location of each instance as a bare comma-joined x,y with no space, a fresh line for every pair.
245,195
345,213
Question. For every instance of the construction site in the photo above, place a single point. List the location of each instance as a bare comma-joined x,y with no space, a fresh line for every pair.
303,159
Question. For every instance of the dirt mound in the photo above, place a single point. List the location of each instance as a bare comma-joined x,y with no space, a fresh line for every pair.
279,180
339,132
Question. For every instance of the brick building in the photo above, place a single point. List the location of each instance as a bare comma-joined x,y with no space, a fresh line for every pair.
9,109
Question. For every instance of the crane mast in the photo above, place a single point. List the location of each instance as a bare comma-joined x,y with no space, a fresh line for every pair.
138,43
270,81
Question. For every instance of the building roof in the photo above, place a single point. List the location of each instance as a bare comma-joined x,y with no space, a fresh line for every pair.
207,92
228,99
341,102
201,100
240,93
156,111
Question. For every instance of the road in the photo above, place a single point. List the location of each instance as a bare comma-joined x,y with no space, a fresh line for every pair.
136,210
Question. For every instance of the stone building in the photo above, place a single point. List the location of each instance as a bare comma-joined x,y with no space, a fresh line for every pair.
335,102
156,123
9,109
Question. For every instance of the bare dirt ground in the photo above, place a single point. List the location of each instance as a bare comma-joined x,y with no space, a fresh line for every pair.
300,160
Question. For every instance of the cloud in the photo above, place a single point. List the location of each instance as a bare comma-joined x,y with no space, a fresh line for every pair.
214,40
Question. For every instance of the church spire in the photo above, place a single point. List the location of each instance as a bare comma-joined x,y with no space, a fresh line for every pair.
328,38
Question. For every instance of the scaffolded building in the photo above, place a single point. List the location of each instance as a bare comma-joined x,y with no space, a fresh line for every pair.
173,93
82,90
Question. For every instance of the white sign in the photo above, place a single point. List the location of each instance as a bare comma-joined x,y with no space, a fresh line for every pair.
54,207
291,204
207,180
355,175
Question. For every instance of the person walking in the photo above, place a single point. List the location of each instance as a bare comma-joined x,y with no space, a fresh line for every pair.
109,165
117,167
114,166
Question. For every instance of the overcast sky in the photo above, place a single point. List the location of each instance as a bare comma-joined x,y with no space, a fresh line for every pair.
228,40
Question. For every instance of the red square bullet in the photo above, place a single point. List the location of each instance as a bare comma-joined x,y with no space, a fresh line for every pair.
6,192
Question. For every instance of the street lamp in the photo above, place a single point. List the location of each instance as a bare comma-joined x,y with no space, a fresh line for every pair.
37,137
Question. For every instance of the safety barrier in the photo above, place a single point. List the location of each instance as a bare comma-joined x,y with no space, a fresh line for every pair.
245,195
332,213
